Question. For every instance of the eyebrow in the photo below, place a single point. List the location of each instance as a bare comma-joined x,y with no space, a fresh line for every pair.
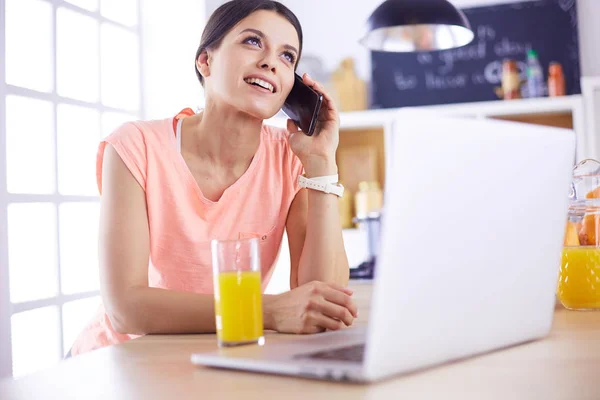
262,35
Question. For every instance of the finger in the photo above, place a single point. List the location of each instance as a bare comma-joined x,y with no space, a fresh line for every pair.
335,286
346,290
308,79
325,322
319,88
334,311
329,103
340,298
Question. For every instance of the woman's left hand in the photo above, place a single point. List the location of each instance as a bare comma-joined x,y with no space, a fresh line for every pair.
317,152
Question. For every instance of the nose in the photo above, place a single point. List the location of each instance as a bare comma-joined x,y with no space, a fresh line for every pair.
267,66
268,62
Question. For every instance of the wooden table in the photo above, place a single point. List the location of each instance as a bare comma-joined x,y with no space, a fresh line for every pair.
566,365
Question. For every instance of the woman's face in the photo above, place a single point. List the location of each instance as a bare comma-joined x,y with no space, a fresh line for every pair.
253,68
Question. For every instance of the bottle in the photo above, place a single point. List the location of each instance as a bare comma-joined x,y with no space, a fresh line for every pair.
511,82
535,76
556,80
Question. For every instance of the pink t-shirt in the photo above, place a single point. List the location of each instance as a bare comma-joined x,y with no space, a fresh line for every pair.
182,221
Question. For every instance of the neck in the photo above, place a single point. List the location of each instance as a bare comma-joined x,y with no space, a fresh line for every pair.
224,136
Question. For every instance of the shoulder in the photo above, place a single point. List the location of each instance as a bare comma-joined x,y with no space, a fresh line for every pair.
143,131
276,141
278,146
275,134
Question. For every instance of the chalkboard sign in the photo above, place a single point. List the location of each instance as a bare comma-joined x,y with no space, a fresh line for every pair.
471,73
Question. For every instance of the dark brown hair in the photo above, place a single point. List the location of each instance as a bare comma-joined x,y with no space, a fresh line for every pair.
230,14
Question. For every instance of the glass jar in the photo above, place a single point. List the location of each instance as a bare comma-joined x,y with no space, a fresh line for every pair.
579,277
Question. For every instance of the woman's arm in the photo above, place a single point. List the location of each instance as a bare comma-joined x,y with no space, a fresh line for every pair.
131,305
314,231
135,308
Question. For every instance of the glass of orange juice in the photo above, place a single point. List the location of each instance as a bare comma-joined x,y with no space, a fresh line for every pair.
579,277
237,291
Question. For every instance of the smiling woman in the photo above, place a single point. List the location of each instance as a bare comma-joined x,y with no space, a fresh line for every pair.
236,46
171,186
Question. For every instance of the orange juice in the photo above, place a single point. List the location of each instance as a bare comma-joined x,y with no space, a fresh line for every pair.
579,279
238,307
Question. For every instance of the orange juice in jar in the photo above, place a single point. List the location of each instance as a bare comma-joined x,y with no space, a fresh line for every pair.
579,277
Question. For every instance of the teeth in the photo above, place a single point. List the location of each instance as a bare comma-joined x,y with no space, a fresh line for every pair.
260,82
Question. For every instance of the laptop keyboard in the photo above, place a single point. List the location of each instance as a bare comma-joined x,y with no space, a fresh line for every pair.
348,353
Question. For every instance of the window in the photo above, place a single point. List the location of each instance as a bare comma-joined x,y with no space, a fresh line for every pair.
69,74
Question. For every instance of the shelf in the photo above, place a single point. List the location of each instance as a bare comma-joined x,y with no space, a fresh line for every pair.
543,105
380,118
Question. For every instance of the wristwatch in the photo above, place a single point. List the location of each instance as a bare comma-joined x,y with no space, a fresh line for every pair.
325,184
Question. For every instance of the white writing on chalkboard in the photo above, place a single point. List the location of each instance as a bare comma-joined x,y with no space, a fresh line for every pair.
473,52
493,72
443,77
506,48
405,82
438,82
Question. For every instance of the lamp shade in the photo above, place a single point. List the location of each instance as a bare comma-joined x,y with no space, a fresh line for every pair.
416,25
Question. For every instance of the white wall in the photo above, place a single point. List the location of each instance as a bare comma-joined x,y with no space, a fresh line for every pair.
343,22
589,33
327,34
170,35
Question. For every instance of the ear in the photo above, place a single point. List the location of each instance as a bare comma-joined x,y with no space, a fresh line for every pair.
203,63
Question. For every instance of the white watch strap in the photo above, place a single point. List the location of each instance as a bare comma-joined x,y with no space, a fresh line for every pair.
325,187
326,179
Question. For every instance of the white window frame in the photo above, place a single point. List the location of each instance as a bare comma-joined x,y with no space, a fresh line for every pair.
5,314
7,309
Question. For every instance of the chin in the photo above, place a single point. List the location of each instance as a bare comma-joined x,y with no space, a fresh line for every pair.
261,110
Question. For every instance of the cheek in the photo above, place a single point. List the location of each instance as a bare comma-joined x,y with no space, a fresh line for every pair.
287,87
228,71
226,82
222,69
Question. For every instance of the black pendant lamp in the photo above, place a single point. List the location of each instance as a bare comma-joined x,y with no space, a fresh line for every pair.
416,25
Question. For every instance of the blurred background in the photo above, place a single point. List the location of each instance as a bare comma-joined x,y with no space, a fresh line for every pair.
73,70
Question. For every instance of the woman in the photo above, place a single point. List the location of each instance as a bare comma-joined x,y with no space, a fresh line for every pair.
170,186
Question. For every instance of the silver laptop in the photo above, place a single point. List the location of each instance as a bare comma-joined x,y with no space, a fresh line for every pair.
471,238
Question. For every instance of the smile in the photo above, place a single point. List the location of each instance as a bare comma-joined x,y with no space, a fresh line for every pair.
260,83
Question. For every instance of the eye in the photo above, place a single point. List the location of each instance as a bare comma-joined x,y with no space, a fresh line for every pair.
253,41
289,56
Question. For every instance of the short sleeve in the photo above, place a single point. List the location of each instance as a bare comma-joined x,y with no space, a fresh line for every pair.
296,169
129,143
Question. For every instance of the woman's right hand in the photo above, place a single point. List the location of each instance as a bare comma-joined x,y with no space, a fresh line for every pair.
310,308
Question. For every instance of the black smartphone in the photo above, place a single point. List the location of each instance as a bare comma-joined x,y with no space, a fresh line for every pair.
303,105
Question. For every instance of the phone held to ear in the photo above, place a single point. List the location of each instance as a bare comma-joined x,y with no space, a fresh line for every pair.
303,105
